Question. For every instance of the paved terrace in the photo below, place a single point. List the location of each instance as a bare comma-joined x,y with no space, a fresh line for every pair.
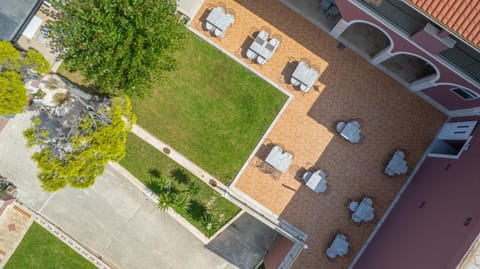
349,87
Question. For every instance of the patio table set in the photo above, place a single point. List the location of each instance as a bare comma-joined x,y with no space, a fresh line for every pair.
362,211
397,165
316,181
263,47
279,159
338,247
218,21
304,76
350,131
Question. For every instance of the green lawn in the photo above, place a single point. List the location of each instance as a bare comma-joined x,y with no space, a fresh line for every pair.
144,161
211,109
40,249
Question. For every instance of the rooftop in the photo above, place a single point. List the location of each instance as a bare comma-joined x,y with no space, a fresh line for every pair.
349,87
13,15
461,17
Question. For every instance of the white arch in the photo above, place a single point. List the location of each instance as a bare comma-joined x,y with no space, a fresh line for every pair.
437,71
350,23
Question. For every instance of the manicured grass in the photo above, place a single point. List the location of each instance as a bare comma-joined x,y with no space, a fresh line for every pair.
211,109
40,249
144,162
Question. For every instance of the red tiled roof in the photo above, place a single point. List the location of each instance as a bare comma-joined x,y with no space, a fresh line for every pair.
459,16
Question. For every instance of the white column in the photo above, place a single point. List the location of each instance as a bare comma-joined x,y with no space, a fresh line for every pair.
382,55
341,26
423,83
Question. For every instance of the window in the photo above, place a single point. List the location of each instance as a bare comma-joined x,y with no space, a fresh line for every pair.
464,57
466,94
406,18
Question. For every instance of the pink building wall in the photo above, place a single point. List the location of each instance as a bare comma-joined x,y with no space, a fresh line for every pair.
442,95
434,235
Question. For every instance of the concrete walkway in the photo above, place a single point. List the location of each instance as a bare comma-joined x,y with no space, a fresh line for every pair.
112,218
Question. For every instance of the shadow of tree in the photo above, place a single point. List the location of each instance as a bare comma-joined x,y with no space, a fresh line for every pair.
154,172
196,209
180,176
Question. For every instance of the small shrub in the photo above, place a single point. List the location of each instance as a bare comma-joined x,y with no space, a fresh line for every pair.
40,94
60,98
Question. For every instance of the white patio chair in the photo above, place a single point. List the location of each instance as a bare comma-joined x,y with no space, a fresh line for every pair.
251,55
263,34
353,206
218,33
400,153
294,82
307,176
209,27
274,42
231,17
356,219
322,187
369,217
304,88
356,123
331,253
340,126
261,60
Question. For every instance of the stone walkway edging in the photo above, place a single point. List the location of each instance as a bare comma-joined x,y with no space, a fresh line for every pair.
153,197
69,241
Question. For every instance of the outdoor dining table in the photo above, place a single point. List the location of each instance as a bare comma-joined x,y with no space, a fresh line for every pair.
362,211
304,75
316,181
219,19
397,165
279,159
351,131
261,47
339,246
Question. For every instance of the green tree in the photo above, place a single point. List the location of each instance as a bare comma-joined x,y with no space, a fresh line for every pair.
13,96
116,44
35,61
9,57
79,152
13,67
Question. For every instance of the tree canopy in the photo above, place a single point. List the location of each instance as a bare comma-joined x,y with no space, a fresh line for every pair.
13,96
14,66
118,44
75,151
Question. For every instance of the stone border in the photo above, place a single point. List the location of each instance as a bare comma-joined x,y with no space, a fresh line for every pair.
69,241
154,198
59,234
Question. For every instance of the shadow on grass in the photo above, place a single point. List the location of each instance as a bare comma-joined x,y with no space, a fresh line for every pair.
155,186
180,176
196,209
154,172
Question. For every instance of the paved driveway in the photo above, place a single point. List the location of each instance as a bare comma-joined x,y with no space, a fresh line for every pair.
112,218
